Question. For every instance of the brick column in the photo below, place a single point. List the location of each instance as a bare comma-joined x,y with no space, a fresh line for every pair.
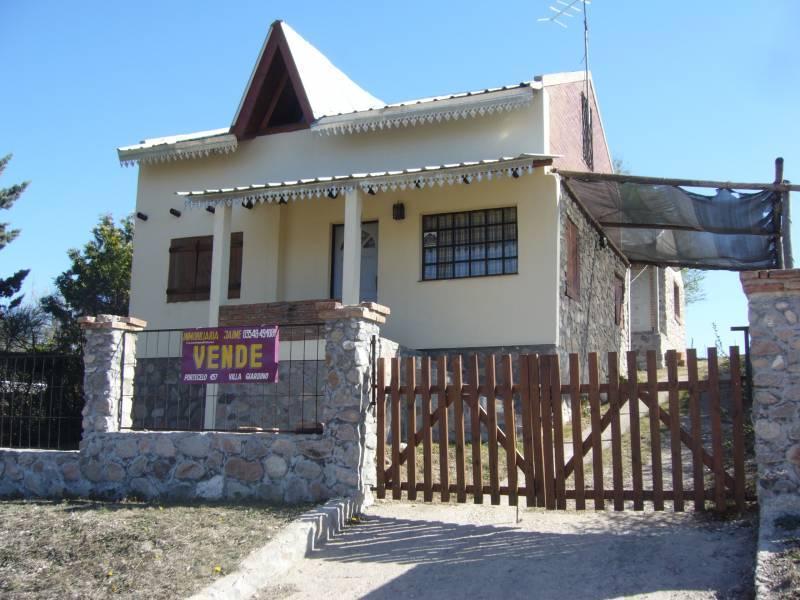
109,353
347,413
774,308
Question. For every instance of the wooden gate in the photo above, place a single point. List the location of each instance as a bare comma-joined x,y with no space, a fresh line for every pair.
455,430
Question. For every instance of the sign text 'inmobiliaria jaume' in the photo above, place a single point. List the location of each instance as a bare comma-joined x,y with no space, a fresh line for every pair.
230,355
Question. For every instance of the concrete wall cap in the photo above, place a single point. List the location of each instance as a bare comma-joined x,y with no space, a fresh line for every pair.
112,322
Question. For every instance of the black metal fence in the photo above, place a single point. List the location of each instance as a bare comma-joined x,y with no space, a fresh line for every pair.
41,399
159,400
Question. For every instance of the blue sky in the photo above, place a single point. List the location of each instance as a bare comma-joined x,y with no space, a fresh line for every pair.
687,89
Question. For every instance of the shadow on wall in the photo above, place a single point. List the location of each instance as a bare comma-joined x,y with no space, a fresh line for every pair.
618,557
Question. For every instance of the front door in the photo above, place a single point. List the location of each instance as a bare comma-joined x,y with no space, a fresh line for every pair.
369,261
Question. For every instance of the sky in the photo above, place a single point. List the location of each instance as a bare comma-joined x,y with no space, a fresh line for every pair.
703,90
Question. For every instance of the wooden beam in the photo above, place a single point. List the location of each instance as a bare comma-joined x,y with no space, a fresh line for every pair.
727,185
677,228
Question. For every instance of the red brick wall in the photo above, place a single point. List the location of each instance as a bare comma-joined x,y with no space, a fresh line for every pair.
566,136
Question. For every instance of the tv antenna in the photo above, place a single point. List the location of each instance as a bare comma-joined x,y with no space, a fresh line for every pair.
568,9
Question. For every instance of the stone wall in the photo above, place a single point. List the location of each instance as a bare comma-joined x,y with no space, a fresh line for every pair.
774,312
41,474
586,324
212,465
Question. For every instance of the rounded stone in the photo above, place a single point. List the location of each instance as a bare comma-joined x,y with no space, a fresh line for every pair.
768,430
793,455
126,447
211,489
196,445
307,469
189,470
297,491
276,467
779,363
790,317
114,472
164,447
243,470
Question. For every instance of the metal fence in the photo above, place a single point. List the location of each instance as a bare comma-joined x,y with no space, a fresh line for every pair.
161,401
41,399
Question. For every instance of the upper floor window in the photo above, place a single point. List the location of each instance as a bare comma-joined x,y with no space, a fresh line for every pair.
676,299
573,274
190,268
619,299
475,243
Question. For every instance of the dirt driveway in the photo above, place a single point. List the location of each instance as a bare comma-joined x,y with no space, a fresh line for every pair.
406,550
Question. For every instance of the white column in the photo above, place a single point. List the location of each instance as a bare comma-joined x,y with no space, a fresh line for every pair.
351,256
220,262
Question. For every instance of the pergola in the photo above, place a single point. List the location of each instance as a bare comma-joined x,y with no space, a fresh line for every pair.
656,221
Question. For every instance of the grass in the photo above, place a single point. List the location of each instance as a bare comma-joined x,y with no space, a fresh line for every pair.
82,549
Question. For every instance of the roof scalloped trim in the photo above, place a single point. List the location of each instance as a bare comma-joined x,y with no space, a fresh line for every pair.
181,147
429,110
384,181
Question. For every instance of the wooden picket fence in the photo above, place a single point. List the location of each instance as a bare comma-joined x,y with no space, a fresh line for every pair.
529,450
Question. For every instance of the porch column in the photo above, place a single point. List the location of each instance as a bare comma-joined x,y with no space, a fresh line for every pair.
351,256
220,261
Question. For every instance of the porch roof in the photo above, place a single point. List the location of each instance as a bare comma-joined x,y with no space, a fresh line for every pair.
382,181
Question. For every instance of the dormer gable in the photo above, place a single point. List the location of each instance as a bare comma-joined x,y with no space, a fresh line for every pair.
292,85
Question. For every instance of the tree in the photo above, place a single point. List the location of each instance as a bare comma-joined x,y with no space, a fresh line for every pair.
10,286
97,282
25,329
693,285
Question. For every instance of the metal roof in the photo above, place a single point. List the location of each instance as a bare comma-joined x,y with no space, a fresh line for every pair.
381,181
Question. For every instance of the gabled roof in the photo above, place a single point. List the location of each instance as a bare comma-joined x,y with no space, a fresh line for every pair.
292,85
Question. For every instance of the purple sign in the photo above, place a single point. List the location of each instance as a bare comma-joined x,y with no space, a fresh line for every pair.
230,355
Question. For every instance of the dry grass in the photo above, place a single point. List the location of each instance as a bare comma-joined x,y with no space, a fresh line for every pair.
85,549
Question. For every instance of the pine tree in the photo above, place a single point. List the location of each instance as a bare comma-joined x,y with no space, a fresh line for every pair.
10,286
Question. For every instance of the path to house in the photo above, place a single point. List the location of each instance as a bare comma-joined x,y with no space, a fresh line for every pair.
406,550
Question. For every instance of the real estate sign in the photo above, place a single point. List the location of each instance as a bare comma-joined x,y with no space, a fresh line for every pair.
230,355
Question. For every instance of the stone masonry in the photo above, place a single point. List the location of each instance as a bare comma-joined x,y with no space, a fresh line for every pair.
212,465
587,324
774,312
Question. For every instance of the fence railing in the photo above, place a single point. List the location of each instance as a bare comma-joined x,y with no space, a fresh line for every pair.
160,401
41,399
515,427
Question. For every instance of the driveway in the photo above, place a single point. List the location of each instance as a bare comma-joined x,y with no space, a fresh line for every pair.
414,550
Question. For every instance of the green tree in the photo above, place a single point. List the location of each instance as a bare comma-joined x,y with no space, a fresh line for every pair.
97,282
10,286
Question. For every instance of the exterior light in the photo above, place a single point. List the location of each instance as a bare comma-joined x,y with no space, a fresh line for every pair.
141,215
174,212
398,211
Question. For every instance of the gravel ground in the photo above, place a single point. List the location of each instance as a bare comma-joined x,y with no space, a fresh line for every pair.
126,549
412,550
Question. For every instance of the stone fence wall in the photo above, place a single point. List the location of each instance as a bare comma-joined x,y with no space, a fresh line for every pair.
774,312
277,467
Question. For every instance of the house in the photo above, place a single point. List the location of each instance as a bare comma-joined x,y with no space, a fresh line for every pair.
443,209
658,311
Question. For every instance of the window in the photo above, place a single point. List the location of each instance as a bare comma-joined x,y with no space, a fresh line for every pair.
676,299
476,243
619,299
190,268
573,287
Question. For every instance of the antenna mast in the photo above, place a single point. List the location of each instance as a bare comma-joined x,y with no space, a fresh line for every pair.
568,8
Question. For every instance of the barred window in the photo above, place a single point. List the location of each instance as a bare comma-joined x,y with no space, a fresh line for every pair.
475,243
